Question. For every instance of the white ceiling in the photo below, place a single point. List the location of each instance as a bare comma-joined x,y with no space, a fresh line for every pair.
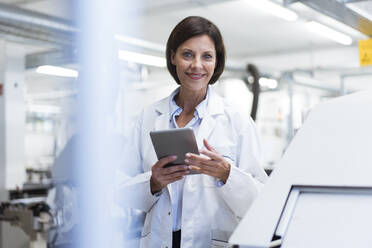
250,35
247,30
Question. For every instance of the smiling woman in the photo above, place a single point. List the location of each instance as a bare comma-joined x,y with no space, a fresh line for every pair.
208,205
189,28
195,60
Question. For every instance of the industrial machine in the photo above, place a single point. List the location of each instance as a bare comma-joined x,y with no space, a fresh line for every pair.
320,193
32,216
46,210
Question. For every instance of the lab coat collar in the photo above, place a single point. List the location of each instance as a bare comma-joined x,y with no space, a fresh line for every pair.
200,110
214,105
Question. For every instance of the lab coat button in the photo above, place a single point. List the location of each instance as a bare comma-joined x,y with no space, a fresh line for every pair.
169,213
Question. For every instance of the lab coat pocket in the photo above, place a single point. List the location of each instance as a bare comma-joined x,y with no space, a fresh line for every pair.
147,226
145,235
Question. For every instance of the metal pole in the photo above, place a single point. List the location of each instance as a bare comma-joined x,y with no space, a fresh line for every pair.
342,86
288,76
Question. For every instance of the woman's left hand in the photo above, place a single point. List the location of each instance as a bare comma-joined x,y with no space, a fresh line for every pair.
213,165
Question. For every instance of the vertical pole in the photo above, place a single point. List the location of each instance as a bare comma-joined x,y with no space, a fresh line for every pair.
2,134
342,86
95,166
289,79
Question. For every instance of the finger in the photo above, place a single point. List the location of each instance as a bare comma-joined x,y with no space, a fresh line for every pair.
175,175
204,167
173,169
175,179
195,157
201,162
203,170
195,168
164,161
212,155
209,147
209,154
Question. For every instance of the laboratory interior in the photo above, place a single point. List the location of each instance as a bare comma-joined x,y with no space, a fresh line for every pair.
75,77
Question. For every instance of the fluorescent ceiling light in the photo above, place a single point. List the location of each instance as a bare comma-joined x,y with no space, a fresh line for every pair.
274,9
329,33
51,95
341,27
141,58
57,71
140,43
268,82
45,109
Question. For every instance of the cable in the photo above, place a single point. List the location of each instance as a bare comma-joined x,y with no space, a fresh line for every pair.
252,82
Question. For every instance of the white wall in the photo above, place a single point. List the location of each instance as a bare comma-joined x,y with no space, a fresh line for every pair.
39,148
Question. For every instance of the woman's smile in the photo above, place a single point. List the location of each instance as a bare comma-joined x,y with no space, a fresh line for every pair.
195,76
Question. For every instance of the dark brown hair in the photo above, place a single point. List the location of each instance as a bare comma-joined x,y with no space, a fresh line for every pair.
190,27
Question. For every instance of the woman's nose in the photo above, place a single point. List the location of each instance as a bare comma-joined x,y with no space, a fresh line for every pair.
196,63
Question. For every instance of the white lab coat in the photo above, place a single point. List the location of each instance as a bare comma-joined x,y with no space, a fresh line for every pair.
209,213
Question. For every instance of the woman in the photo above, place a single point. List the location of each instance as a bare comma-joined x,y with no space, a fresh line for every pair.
195,210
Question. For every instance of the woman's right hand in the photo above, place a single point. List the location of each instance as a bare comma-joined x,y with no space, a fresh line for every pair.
161,176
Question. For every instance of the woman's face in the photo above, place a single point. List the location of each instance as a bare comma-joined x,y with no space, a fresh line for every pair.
195,61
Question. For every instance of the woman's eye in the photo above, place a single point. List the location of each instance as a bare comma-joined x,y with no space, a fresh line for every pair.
187,54
208,56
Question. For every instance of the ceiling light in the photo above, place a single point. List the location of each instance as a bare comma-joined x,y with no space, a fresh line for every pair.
140,43
141,58
57,71
274,9
329,33
268,82
45,109
51,95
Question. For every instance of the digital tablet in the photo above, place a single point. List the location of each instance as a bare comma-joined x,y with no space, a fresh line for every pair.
174,142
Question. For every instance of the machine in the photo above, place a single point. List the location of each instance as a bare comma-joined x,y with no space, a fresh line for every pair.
320,193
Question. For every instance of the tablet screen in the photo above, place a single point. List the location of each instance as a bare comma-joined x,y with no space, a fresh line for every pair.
174,142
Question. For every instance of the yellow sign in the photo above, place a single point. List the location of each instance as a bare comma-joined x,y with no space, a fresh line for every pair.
365,52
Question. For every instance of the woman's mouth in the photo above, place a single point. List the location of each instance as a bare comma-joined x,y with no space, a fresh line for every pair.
195,76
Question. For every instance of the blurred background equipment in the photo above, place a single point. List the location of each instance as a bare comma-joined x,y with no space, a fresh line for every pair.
32,216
